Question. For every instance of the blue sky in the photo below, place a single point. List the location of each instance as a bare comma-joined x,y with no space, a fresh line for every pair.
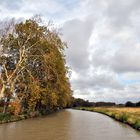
103,40
130,81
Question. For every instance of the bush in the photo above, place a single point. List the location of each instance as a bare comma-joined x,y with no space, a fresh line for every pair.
123,117
5,117
113,115
137,124
138,104
130,104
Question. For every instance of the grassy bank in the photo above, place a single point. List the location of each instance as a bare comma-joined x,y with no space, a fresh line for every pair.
6,118
130,116
9,117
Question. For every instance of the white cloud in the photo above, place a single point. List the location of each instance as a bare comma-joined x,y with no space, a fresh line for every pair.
103,40
113,49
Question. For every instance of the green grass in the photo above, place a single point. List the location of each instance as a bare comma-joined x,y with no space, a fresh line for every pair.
130,116
5,117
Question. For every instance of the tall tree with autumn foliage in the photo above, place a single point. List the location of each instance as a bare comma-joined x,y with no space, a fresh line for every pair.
33,70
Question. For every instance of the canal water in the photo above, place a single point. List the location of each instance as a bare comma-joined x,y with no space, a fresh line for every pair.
68,125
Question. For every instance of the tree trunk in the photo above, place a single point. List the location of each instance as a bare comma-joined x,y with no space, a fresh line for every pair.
6,102
6,98
2,91
5,106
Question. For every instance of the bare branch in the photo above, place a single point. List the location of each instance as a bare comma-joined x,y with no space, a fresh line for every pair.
6,72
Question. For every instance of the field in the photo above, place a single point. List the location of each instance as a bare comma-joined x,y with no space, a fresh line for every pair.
128,115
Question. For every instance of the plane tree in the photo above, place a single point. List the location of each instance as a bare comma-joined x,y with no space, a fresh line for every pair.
33,69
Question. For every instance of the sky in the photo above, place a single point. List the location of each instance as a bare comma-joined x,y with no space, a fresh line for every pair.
103,38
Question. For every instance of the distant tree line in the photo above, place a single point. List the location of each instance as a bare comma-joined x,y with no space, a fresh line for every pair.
77,102
81,102
131,104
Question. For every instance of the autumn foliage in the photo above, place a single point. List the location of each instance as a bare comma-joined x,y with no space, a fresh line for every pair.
34,76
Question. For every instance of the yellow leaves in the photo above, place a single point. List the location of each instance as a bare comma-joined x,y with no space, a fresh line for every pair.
15,107
40,66
54,99
48,98
34,95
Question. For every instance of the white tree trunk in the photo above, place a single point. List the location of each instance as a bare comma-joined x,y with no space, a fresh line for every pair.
2,91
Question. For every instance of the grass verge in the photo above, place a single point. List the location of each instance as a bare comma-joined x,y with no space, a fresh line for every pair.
130,116
6,118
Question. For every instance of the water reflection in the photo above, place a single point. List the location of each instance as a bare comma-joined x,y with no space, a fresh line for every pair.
68,125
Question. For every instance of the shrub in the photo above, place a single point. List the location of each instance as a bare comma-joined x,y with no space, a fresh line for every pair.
137,124
123,117
130,104
5,117
113,115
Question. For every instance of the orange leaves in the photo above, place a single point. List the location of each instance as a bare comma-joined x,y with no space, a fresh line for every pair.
38,71
15,107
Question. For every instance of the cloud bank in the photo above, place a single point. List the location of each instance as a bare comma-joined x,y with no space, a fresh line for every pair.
103,39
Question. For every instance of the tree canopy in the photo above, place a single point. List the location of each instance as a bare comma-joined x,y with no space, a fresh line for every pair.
33,72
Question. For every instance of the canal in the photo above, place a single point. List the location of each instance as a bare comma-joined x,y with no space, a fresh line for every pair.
68,125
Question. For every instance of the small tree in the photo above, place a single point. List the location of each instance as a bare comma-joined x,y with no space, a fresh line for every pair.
130,104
